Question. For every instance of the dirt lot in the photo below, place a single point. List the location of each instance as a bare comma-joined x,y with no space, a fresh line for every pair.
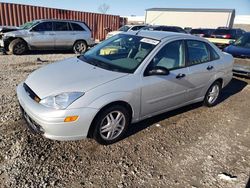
194,146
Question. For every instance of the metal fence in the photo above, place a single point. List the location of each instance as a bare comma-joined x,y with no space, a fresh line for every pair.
17,14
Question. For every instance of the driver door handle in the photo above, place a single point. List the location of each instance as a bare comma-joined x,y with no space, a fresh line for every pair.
180,76
210,67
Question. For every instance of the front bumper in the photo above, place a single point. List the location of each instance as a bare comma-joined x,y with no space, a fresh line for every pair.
50,122
1,43
241,70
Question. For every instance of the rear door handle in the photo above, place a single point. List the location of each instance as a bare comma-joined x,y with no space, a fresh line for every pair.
210,67
180,76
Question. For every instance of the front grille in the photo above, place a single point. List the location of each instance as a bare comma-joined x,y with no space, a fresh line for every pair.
31,93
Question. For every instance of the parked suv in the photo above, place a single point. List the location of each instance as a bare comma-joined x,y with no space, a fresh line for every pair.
202,32
48,35
227,33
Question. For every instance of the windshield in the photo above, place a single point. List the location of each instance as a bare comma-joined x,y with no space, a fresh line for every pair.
28,25
243,41
121,53
124,28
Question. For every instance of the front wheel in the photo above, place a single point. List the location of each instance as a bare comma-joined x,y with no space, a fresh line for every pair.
212,95
80,47
17,47
111,124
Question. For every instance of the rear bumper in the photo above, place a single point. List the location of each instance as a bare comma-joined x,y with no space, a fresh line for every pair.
50,122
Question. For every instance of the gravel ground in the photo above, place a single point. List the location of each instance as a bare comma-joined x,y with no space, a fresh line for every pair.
193,147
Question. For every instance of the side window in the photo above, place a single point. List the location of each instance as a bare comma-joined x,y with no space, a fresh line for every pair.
76,27
136,28
44,26
61,26
171,56
197,52
213,54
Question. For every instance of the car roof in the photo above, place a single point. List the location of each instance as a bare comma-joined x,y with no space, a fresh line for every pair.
59,20
159,35
134,25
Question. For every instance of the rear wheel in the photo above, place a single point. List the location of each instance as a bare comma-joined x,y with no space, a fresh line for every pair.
80,47
17,47
111,124
212,95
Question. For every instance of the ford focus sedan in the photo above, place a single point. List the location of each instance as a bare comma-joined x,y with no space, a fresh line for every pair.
123,80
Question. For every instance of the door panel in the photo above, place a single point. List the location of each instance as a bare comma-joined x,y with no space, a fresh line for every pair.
64,37
201,68
162,92
198,78
159,93
42,36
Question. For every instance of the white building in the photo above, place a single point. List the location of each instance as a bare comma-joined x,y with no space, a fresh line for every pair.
194,18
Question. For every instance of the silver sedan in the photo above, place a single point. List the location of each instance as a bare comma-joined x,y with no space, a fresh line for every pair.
123,80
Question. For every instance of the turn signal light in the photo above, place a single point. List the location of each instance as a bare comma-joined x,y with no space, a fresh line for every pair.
70,118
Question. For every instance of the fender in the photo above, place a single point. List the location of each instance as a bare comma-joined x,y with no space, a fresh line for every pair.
108,98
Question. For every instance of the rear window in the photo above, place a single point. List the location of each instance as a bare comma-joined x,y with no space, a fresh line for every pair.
76,27
197,52
223,32
213,54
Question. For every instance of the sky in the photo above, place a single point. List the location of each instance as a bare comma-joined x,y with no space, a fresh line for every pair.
138,7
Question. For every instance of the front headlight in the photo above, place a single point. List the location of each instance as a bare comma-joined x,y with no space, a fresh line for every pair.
62,100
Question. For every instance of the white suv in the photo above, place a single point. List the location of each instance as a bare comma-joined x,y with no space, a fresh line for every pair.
48,35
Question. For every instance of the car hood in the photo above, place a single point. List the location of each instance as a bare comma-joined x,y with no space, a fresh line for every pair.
68,76
17,33
4,29
113,33
238,51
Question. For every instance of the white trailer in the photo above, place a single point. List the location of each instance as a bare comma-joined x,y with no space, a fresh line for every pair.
194,18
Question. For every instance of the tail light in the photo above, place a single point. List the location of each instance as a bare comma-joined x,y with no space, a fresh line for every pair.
228,36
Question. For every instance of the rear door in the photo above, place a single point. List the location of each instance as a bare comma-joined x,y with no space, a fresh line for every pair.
64,38
79,33
202,67
42,36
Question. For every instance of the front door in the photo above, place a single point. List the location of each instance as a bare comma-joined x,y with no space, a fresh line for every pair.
42,36
160,93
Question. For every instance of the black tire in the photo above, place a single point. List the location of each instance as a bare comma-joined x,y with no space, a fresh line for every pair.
101,119
212,102
80,47
17,47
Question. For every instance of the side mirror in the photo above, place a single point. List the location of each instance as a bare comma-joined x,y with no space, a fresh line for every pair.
158,70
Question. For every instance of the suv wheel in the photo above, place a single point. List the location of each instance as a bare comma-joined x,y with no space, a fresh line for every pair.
17,47
80,47
111,124
212,95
